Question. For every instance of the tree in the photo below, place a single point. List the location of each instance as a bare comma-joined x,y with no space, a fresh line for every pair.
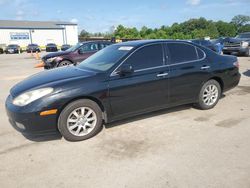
226,29
240,20
84,34
244,28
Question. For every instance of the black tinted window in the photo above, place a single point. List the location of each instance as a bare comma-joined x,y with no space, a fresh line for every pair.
181,52
146,57
200,53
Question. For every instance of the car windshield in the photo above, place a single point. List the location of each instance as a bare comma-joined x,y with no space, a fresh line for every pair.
243,35
74,48
12,46
51,44
32,45
106,58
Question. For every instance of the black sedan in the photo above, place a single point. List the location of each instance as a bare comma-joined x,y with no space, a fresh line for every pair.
51,47
33,48
13,49
64,47
120,81
1,51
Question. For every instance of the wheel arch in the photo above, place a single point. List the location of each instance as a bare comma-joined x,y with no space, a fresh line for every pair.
64,59
94,99
219,80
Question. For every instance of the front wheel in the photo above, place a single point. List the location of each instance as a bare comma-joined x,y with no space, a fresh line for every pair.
80,120
209,95
64,63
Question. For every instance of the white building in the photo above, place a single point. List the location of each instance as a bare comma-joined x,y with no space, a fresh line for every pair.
38,32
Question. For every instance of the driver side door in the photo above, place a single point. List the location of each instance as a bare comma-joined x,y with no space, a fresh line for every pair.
145,89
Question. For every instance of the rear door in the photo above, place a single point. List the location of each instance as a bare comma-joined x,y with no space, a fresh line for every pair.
144,89
189,68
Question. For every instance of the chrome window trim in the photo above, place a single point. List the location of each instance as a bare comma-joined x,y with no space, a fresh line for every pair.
166,65
114,71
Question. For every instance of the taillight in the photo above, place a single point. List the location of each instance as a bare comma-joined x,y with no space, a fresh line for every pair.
236,64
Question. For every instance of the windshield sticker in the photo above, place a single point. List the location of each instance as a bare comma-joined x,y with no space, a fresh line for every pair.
126,48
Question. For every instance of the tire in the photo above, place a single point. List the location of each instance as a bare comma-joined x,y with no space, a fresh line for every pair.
247,54
74,128
64,63
209,95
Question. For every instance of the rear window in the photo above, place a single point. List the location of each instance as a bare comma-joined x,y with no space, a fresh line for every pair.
181,52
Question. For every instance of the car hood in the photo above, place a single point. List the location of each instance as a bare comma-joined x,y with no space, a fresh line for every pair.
55,54
49,78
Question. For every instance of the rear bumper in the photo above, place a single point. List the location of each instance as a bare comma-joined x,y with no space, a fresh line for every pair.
233,82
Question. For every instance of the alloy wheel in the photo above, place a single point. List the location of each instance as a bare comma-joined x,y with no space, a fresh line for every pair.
81,121
210,95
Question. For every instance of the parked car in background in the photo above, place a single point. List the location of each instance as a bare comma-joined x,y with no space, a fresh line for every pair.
13,49
207,43
73,55
240,45
64,47
1,51
33,48
120,81
51,47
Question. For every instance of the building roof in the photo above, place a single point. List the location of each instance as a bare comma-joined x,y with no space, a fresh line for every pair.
15,24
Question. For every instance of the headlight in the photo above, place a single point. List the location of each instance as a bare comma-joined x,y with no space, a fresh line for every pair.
51,59
31,96
244,44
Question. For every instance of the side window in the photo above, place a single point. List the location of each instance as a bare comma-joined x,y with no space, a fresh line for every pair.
181,52
200,53
102,45
89,47
146,57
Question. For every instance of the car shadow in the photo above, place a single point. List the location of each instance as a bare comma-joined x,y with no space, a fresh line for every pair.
148,115
43,138
246,73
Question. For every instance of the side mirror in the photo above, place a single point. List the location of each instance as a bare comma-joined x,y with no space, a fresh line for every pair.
125,70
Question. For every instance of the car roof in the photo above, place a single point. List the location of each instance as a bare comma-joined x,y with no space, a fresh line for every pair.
96,41
245,33
137,43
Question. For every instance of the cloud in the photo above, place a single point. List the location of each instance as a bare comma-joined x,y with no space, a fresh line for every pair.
20,14
74,20
193,2
58,11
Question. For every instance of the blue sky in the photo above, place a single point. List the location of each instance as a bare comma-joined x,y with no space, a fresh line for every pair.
99,16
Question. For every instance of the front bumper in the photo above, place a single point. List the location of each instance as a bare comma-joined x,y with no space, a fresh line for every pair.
27,120
234,49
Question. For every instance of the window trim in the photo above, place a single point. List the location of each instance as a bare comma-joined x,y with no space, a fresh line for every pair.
184,62
139,70
165,57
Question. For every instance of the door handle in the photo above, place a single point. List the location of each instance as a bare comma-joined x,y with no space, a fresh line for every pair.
162,74
205,67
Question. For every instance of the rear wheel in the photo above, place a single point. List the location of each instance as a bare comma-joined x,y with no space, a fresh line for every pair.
64,63
209,95
80,120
